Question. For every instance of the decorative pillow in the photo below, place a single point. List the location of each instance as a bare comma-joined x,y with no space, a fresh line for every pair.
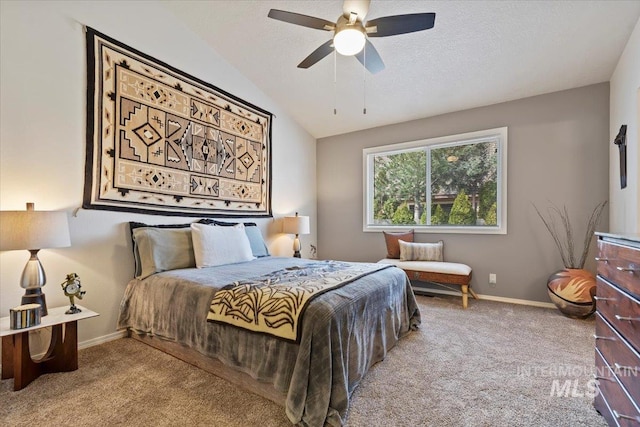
133,225
258,246
162,249
421,251
220,245
256,241
391,239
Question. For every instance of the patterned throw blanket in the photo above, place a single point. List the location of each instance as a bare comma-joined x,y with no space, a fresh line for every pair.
274,304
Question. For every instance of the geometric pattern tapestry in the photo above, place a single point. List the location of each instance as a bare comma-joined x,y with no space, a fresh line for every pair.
160,141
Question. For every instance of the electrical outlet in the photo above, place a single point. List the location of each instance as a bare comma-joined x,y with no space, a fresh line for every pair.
492,278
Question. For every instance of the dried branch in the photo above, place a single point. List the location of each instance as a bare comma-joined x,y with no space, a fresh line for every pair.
566,223
562,234
591,228
551,226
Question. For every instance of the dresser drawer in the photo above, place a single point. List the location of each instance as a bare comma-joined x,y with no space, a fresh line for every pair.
611,400
620,265
622,359
620,309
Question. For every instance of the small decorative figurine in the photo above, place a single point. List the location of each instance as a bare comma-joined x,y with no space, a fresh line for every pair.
71,287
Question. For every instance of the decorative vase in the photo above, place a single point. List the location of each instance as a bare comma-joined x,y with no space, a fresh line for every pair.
572,291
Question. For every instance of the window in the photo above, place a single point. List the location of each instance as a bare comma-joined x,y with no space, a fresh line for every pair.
452,184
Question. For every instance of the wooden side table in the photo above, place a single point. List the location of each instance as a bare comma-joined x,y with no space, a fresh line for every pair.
62,355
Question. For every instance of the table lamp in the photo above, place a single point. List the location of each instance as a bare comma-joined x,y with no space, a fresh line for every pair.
33,230
296,225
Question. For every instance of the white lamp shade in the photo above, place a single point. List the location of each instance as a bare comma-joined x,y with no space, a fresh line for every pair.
33,230
296,225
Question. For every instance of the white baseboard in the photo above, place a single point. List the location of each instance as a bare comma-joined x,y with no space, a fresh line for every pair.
488,297
103,339
518,301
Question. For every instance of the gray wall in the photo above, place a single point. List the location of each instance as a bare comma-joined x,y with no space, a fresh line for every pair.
557,152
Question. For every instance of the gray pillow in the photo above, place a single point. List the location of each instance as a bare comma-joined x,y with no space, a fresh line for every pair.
162,249
258,247
136,255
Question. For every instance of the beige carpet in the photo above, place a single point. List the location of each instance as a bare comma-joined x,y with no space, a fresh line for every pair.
493,364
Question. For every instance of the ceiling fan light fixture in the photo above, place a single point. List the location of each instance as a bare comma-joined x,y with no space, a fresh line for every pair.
349,40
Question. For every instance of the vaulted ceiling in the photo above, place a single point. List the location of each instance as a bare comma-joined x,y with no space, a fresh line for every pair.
479,53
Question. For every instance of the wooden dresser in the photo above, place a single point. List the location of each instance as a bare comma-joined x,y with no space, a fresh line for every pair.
617,334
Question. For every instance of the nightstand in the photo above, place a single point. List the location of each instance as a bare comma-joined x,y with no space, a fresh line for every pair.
62,355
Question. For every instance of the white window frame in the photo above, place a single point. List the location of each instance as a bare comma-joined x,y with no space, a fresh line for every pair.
499,135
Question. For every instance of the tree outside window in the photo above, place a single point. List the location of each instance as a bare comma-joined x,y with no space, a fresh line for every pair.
446,184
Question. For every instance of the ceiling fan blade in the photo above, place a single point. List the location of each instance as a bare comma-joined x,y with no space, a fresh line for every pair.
324,50
359,7
370,58
401,24
304,20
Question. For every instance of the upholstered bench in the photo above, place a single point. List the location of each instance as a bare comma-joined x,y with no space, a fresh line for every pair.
439,272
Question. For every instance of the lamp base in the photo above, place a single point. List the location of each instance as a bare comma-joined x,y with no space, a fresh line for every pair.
296,247
36,296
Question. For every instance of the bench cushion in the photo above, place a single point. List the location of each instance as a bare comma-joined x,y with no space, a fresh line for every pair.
430,266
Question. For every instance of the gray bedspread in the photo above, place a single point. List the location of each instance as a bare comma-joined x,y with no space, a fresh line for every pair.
344,331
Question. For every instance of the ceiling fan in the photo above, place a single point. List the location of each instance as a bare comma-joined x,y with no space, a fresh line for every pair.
351,32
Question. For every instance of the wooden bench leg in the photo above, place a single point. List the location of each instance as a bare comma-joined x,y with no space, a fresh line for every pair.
473,294
465,296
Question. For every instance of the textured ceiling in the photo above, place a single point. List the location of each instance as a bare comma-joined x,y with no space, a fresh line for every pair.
479,53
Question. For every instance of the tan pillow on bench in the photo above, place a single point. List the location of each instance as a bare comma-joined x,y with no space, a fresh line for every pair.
421,251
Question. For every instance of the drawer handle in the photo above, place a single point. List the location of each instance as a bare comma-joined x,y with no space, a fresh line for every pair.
627,318
618,415
603,299
605,260
604,378
629,269
598,337
619,367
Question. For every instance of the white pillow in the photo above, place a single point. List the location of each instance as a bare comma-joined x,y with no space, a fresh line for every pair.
215,245
420,251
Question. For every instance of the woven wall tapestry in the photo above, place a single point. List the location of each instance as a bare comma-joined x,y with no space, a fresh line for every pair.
160,141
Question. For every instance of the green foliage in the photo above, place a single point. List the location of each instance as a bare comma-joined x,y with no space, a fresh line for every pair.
492,215
400,178
462,212
402,215
439,217
380,199
488,197
463,167
388,209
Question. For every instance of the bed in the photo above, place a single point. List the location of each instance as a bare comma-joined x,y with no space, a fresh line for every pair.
342,331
